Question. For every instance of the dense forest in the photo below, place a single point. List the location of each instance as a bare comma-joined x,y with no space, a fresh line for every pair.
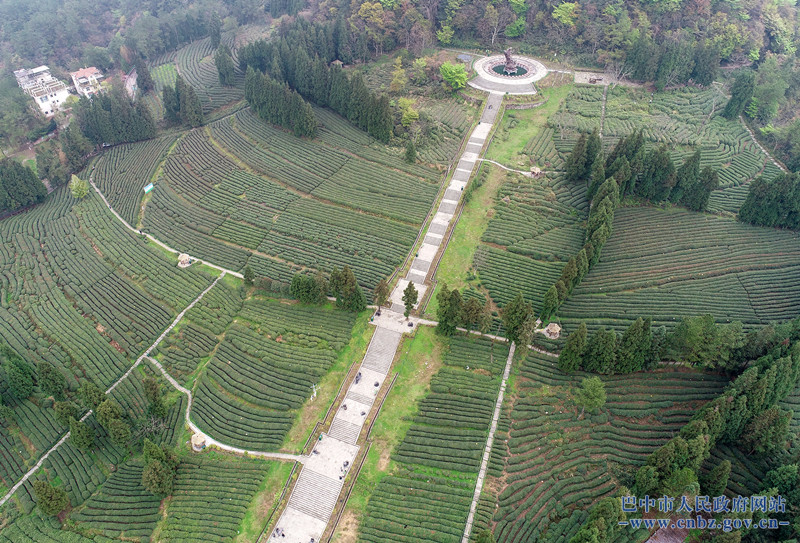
660,42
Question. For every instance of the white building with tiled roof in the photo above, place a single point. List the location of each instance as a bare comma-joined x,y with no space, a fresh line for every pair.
87,81
48,92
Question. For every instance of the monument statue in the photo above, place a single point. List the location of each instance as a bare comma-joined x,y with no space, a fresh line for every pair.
511,66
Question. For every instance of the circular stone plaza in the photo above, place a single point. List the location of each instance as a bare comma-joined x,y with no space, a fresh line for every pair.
490,77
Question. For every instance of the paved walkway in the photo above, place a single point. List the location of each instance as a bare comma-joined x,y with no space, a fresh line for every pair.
321,479
487,451
144,355
427,252
488,81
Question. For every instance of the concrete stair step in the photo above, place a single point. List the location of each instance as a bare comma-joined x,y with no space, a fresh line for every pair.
381,350
344,431
315,494
360,398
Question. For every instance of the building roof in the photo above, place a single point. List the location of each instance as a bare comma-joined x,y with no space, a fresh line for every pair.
87,72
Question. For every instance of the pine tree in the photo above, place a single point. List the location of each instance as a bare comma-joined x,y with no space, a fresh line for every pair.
249,276
120,431
658,176
19,186
696,197
51,500
91,395
583,265
321,287
191,110
571,357
594,147
767,431
225,66
107,411
19,375
155,398
450,310
172,107
633,348
144,80
741,93
50,380
411,152
715,483
686,178
215,29
623,175
473,311
598,176
381,293
65,411
569,274
550,303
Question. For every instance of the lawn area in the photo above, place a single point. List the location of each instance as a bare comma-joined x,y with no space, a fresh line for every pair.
420,359
520,126
457,259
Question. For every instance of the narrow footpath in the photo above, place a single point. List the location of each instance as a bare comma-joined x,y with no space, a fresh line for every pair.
157,241
753,137
144,355
211,441
487,451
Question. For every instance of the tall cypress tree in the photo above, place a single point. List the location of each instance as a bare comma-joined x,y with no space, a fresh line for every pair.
19,186
633,348
686,178
576,161
571,358
191,109
601,352
594,147
741,93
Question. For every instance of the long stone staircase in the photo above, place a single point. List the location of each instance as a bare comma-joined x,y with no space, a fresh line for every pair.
317,489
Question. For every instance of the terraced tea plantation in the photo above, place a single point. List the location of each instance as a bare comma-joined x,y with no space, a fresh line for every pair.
673,263
684,119
211,498
259,358
428,496
554,466
122,173
243,193
84,294
122,506
535,229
